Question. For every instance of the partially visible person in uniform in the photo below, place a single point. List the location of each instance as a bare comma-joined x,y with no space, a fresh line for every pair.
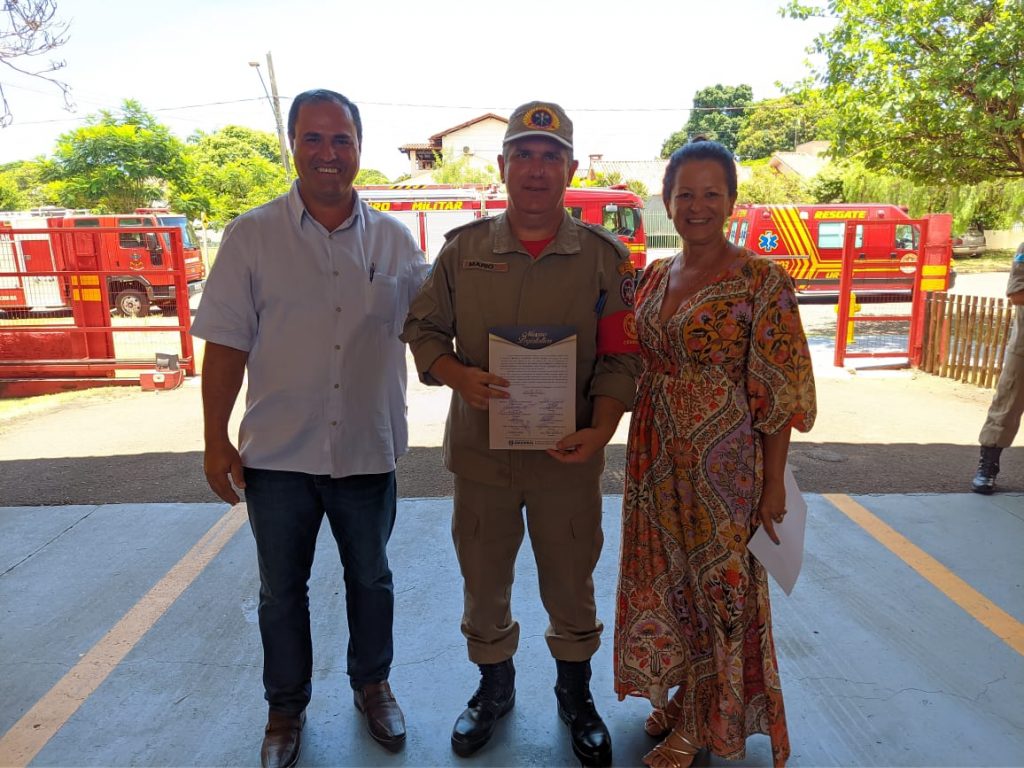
532,265
307,294
1004,413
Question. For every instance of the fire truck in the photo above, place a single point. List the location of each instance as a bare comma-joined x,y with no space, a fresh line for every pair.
137,260
432,210
808,240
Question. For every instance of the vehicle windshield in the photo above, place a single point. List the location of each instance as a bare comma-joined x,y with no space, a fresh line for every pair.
621,220
188,235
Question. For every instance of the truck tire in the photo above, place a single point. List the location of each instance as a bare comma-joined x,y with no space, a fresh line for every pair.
132,303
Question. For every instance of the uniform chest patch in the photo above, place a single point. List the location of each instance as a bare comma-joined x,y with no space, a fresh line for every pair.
488,266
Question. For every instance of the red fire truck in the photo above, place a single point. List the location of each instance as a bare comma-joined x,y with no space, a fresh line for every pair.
808,240
431,211
29,260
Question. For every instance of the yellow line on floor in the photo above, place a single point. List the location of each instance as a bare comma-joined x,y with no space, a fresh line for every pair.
995,619
30,734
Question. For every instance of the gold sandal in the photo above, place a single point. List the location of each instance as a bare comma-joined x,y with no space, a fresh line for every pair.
678,755
662,719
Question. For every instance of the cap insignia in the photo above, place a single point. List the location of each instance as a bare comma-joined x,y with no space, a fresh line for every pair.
541,118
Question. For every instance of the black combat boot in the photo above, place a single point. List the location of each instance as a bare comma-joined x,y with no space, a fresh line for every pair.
492,700
591,742
988,468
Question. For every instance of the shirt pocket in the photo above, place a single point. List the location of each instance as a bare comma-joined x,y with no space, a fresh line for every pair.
382,299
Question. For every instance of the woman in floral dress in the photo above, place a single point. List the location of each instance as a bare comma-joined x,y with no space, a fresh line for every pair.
727,376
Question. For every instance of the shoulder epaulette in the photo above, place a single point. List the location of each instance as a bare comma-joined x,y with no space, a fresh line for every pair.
474,223
600,231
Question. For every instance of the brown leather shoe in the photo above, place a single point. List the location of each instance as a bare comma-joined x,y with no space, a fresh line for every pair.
384,718
282,739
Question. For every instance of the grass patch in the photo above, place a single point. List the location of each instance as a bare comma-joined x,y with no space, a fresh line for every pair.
993,260
17,407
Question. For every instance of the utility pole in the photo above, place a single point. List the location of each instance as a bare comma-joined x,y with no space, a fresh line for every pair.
275,107
276,103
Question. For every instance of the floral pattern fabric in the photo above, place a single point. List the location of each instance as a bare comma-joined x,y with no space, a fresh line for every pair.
692,608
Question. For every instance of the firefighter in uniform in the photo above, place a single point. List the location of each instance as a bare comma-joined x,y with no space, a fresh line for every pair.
1004,413
532,265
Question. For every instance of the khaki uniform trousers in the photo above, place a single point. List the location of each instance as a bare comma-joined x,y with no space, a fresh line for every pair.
565,531
1004,414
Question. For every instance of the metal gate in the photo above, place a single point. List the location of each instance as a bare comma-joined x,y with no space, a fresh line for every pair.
70,324
887,325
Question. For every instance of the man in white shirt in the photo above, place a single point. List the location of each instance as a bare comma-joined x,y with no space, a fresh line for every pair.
307,295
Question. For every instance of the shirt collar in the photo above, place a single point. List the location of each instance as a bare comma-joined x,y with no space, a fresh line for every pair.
298,213
567,238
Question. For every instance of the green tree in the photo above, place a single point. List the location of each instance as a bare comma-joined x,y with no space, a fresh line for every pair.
827,185
370,176
23,180
230,171
719,113
118,161
11,198
766,185
774,125
462,170
610,179
929,89
995,204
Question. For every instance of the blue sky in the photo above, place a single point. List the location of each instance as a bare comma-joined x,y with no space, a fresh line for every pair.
625,71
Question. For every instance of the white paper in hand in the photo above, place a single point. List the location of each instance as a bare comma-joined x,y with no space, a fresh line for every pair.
783,560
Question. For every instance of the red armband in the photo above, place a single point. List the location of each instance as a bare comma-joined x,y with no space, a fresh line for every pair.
616,334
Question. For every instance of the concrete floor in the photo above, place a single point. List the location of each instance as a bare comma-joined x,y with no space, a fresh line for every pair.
878,666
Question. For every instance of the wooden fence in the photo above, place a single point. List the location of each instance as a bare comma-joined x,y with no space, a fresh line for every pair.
965,337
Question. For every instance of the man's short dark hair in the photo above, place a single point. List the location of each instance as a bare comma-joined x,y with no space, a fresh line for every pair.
322,94
700,148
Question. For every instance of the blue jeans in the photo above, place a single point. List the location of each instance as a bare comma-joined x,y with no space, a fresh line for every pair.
285,512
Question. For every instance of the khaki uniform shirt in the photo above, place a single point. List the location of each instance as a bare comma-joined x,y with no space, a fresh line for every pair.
483,278
1016,284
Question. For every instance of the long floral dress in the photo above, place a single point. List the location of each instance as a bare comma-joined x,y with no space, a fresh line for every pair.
692,607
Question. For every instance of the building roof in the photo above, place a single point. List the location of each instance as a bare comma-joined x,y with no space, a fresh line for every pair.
489,116
412,147
798,164
805,161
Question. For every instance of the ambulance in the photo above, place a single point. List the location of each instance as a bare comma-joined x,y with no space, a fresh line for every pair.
808,240
430,211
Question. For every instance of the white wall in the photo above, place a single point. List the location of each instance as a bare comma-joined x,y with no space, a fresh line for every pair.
483,139
1004,238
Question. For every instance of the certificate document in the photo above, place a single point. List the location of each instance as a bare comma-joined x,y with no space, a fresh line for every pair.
539,363
784,560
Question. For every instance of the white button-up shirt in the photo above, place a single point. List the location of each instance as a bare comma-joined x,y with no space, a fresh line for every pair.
319,314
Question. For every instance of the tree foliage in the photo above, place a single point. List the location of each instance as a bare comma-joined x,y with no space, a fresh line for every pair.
827,186
995,204
370,176
930,89
29,28
116,162
719,113
766,185
24,186
11,198
462,170
610,179
774,125
229,172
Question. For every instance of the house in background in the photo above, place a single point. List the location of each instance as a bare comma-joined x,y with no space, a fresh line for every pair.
478,139
805,161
